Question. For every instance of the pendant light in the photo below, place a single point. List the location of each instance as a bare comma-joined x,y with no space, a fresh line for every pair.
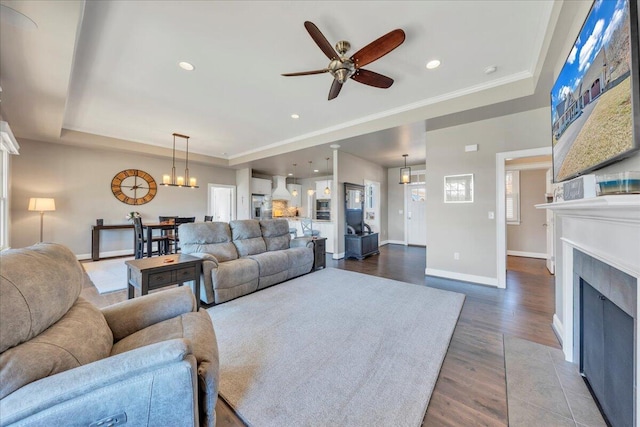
294,193
179,181
327,190
405,172
310,191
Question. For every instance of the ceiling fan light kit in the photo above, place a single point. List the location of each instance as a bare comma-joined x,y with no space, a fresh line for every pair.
343,68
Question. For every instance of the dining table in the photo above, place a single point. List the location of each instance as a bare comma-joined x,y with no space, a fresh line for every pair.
165,225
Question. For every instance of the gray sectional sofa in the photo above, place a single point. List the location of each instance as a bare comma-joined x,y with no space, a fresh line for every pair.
243,256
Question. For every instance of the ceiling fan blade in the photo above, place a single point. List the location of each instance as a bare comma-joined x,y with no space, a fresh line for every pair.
378,48
305,73
372,78
335,89
320,40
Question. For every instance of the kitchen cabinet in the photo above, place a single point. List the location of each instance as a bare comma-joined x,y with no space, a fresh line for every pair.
261,186
297,199
320,186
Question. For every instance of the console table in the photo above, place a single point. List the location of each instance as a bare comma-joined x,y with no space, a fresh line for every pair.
158,272
95,237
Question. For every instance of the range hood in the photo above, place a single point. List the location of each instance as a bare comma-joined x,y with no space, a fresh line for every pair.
280,192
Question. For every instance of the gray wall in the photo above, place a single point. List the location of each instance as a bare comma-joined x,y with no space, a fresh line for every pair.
80,181
530,235
465,227
355,170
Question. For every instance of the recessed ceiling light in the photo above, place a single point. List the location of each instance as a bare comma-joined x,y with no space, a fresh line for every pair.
490,69
433,64
186,66
334,146
295,116
316,170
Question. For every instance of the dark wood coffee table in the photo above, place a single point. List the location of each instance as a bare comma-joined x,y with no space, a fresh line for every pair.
158,272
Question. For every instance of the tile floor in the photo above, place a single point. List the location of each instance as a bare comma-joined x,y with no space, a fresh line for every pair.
545,390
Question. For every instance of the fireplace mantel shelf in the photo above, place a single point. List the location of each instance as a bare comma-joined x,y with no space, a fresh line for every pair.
623,207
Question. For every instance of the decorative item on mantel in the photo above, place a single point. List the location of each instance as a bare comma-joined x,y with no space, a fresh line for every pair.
582,187
618,183
179,181
405,172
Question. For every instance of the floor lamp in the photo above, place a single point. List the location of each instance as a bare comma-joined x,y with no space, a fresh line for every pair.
41,205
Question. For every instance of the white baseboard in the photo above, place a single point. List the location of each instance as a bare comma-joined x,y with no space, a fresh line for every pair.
395,242
482,280
557,327
527,254
338,255
123,252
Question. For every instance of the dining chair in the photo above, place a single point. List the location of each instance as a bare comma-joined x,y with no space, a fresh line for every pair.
208,218
174,239
307,227
162,242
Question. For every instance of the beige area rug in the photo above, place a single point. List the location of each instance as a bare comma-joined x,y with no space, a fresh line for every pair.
334,348
108,275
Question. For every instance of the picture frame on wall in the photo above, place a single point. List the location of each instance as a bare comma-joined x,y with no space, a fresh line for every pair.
458,188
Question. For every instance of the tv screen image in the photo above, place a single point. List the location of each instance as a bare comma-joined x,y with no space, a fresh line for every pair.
595,97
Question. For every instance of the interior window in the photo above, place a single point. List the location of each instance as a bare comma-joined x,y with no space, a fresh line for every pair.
512,189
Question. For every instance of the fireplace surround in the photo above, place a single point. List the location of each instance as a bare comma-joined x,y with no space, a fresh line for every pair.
598,238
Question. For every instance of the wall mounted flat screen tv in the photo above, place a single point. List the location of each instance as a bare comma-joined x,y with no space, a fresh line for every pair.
595,111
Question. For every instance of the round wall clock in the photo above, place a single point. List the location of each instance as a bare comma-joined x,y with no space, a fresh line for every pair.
134,187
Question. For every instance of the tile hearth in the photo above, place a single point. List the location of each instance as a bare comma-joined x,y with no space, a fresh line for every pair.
545,390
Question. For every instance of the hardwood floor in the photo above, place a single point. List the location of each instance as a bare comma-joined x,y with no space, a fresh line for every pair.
471,388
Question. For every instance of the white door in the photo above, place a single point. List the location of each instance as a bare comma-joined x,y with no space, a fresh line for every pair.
550,224
416,231
222,202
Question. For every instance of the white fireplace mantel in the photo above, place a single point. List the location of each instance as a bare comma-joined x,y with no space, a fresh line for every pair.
606,227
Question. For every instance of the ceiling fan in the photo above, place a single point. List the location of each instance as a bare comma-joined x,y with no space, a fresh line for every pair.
342,68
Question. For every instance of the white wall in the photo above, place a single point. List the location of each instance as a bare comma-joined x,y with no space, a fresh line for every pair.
80,181
465,227
530,235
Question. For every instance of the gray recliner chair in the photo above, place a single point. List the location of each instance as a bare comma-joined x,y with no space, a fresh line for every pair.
149,361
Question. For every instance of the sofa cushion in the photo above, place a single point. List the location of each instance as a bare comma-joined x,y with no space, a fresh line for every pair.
247,237
208,237
35,298
195,327
275,233
81,336
234,273
300,261
271,262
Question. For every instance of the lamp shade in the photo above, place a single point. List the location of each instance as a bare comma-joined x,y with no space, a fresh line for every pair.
42,204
